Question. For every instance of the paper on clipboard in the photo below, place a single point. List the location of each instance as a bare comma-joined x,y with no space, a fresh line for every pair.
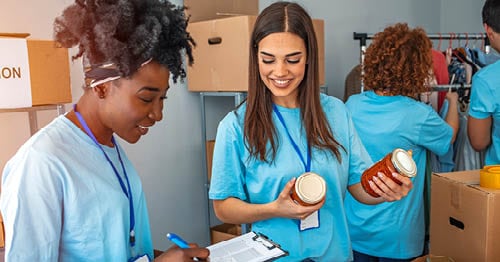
249,247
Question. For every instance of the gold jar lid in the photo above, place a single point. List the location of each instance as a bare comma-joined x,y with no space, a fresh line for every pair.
403,162
310,187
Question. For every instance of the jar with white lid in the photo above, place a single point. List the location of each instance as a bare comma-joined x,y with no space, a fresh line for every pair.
398,161
309,189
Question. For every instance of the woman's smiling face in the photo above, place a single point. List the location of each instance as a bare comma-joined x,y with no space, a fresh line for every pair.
136,103
282,64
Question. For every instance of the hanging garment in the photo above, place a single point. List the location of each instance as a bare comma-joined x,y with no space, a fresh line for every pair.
353,82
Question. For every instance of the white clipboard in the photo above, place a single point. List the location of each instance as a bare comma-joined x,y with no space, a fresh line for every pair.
249,247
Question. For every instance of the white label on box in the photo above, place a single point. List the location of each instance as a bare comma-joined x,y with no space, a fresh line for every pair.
15,83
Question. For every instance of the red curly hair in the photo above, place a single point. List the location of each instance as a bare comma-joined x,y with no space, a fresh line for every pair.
399,60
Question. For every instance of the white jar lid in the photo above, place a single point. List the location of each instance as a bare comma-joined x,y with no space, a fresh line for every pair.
310,187
404,163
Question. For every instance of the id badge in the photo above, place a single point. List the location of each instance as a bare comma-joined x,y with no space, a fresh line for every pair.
141,258
312,221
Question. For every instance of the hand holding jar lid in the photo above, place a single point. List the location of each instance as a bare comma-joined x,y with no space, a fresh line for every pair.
309,189
399,161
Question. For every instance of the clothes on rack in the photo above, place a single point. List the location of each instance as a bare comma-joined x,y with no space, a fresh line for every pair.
353,82
461,156
440,67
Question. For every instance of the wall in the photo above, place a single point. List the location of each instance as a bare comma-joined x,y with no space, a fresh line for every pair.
461,16
169,157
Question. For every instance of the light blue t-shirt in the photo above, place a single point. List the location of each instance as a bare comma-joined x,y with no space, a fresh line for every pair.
484,103
384,123
254,181
61,200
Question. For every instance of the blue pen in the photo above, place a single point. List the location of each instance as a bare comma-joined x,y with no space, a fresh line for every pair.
177,240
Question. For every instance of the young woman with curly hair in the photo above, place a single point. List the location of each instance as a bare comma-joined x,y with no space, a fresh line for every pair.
70,193
397,68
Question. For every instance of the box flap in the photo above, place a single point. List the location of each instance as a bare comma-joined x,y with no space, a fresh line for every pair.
16,35
469,177
202,10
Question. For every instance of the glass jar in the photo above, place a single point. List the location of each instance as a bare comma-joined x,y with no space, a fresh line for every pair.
309,189
399,161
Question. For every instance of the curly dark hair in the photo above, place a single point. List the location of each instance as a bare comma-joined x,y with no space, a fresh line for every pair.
127,33
399,60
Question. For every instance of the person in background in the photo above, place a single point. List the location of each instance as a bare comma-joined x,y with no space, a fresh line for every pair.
286,127
70,193
386,116
483,122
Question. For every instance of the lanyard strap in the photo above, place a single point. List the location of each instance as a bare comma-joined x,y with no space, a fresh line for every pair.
126,190
307,165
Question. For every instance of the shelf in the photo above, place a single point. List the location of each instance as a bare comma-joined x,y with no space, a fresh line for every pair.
238,98
33,120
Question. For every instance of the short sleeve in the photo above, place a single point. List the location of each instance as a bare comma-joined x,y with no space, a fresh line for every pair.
435,133
32,197
227,168
481,105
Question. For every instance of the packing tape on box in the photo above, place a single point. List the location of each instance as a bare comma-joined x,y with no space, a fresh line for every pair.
489,176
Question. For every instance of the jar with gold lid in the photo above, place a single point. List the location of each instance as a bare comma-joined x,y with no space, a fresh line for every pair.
309,189
398,161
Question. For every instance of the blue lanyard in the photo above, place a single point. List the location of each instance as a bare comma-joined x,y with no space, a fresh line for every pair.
307,165
127,191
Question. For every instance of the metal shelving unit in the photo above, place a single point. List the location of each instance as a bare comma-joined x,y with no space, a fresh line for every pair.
33,119
238,98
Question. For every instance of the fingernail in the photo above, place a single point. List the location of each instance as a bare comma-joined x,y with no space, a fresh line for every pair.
380,175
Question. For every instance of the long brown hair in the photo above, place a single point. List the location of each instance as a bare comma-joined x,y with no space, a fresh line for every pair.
259,128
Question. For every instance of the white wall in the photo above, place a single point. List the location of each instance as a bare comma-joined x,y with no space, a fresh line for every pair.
169,157
461,16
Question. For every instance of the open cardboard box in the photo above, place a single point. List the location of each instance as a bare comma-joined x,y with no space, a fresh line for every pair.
49,77
223,232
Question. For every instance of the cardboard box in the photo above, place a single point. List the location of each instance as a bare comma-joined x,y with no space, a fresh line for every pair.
201,10
465,218
48,73
210,153
223,232
222,54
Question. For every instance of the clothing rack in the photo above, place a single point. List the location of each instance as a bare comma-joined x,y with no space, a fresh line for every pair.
363,37
453,87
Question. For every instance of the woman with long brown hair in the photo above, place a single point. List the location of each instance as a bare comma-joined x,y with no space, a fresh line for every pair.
284,129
